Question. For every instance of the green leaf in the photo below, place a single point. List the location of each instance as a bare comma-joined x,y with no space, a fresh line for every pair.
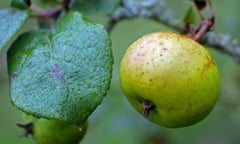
95,6
11,21
190,16
21,4
63,74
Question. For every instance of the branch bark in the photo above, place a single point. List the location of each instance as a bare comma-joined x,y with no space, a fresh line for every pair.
156,10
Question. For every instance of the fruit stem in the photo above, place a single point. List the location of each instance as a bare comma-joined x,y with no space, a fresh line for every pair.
205,25
147,107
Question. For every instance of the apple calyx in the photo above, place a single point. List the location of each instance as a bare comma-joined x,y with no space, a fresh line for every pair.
28,128
147,107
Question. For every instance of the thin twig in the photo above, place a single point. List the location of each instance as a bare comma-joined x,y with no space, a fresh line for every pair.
155,10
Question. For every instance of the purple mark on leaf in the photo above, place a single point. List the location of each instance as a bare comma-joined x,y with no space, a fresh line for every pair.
64,48
56,73
13,76
29,64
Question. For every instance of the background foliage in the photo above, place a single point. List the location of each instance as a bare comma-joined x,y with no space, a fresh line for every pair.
115,121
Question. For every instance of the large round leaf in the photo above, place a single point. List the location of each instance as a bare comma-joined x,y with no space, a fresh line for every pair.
63,74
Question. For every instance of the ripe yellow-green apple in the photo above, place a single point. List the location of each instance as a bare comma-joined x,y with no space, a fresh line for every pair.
169,78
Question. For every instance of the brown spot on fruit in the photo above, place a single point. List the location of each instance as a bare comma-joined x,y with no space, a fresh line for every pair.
170,109
209,63
165,49
150,41
160,43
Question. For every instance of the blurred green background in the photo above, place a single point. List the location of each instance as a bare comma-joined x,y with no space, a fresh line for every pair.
116,122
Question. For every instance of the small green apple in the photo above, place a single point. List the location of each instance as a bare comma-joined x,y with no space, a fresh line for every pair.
57,132
45,131
169,78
